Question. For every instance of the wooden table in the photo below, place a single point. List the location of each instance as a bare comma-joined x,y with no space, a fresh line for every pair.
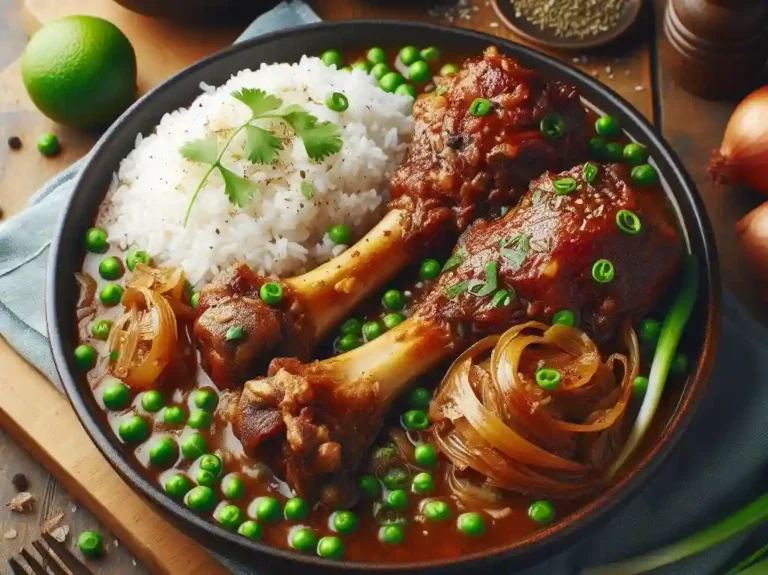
692,126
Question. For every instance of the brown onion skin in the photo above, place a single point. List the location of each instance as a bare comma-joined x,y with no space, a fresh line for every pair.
752,231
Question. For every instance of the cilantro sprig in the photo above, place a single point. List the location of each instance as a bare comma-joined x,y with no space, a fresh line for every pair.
321,139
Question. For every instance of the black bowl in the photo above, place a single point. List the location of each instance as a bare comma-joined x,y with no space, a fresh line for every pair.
289,45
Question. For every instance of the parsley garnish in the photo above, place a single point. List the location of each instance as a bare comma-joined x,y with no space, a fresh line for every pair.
454,260
307,190
456,289
516,250
481,288
321,139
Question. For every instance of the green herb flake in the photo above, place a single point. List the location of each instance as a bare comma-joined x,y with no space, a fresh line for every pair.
204,150
235,333
258,101
307,190
321,139
481,288
455,260
456,289
516,250
261,146
239,190
503,298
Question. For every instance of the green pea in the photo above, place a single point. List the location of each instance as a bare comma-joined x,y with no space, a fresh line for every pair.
205,398
178,486
650,330
416,419
480,107
268,509
392,320
199,419
337,102
406,90
471,524
233,487
133,430
449,70
345,522
644,175
205,478
380,70
392,534
564,317
419,398
303,540
332,58
679,364
194,301
194,446
596,148
639,387
425,455
542,512
116,396
90,543
111,294
348,342
96,241
231,517
211,462
376,55
352,326
395,478
635,153
100,329
437,510
271,293
408,55
390,81
200,498
393,300
419,73
430,54
111,268
363,65
163,452
369,486
173,414
398,499
152,401
371,330
296,509
340,234
423,483
607,126
48,145
430,269
330,547
85,357
137,257
613,152
251,530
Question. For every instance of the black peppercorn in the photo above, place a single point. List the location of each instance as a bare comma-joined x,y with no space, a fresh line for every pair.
20,482
14,143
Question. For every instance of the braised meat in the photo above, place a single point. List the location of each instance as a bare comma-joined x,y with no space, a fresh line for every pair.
536,260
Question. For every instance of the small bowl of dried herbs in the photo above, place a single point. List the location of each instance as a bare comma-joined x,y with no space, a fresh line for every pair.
568,24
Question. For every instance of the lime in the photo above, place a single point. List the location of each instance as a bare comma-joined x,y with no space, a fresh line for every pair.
80,71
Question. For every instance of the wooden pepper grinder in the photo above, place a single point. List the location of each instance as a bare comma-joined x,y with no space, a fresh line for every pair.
719,47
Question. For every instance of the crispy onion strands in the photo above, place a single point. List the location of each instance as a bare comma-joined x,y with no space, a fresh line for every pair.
148,318
492,417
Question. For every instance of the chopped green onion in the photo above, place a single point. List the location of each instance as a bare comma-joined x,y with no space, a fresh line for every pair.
456,289
271,293
455,260
503,298
548,378
337,102
552,127
628,222
565,186
590,172
603,271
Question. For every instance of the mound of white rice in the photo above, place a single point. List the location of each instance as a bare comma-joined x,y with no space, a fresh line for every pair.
281,231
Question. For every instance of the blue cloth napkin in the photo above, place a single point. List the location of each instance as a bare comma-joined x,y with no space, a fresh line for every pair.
718,466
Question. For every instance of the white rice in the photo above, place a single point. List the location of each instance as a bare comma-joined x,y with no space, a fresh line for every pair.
280,232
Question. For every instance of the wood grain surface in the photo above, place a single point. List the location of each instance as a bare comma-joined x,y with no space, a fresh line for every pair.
691,125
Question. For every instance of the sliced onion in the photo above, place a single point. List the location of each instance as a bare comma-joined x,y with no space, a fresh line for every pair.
168,281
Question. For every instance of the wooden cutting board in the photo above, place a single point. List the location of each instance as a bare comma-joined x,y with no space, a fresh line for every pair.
30,407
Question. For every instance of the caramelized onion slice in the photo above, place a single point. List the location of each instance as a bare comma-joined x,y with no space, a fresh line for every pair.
169,281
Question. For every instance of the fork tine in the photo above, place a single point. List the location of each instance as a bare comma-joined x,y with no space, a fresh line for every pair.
16,568
60,550
52,561
33,563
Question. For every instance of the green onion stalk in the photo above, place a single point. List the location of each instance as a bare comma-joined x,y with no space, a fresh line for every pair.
746,518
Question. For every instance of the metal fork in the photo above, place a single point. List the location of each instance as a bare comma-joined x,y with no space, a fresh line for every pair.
54,558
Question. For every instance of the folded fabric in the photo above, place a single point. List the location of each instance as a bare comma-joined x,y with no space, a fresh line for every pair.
718,466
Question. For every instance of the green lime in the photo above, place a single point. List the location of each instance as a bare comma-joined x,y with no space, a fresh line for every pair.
80,71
